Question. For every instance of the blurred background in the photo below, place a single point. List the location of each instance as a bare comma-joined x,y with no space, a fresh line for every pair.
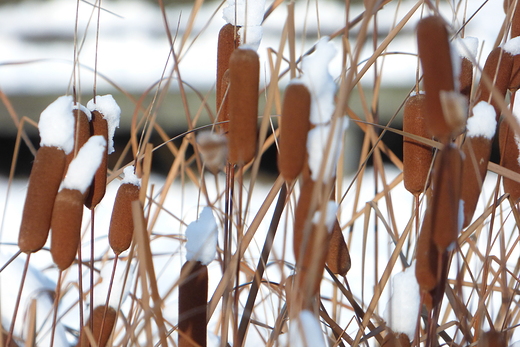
132,49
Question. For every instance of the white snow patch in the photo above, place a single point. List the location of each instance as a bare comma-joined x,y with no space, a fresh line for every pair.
414,93
516,114
84,166
483,122
244,12
56,125
250,37
456,64
318,79
317,144
402,310
461,214
108,107
330,215
467,47
85,110
306,331
130,176
201,244
512,46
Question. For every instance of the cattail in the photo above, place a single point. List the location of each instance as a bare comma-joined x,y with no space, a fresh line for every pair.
105,119
417,157
82,117
396,340
228,41
515,32
435,55
445,201
493,338
121,229
294,126
100,336
193,300
466,77
427,256
56,128
497,68
509,158
68,207
213,149
338,256
476,151
244,69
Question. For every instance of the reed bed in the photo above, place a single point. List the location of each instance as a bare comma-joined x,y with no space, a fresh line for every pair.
419,250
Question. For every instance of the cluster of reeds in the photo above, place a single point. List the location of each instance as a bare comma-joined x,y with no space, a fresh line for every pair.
217,253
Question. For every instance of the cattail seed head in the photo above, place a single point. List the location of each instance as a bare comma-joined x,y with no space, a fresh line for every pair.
121,229
509,158
417,157
244,70
81,134
101,337
99,126
44,182
294,127
338,256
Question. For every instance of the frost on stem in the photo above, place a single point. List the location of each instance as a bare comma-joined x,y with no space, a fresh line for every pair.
201,235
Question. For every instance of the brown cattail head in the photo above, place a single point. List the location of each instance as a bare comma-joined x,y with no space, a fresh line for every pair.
294,126
244,78
44,182
100,336
509,158
66,227
417,157
99,126
228,41
81,134
466,77
493,338
445,201
338,256
510,5
223,110
121,229
435,55
193,300
497,68
396,340
427,255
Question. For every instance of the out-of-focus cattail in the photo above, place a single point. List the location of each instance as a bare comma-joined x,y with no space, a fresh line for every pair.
68,207
213,149
466,77
476,151
493,338
228,41
509,158
66,227
244,70
44,182
417,157
56,127
445,202
97,189
193,300
427,255
294,126
435,55
396,340
510,5
497,68
121,229
101,337
338,256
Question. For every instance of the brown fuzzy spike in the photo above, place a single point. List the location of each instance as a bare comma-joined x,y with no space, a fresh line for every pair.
446,197
81,134
244,75
44,182
509,154
338,256
228,41
97,188
427,256
121,229
476,153
417,157
101,337
435,56
193,299
466,77
66,227
493,339
497,68
294,127
396,340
